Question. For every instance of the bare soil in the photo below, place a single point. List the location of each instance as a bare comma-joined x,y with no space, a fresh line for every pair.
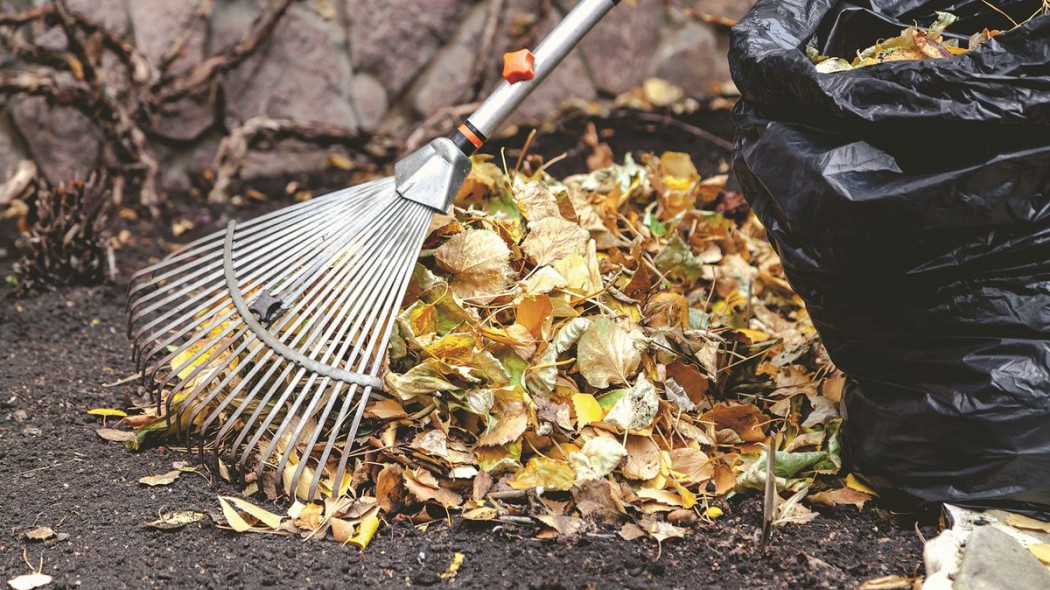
57,349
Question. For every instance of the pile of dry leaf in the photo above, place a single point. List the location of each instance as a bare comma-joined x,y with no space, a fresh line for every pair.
607,348
912,43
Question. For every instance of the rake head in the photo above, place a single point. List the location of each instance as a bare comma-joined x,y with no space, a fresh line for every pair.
266,340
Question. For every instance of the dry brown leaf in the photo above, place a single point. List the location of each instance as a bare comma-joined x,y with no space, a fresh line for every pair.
601,500
1020,521
535,201
745,419
385,409
161,480
390,488
479,262
510,425
840,496
692,465
40,533
112,434
643,458
425,487
607,353
175,520
553,239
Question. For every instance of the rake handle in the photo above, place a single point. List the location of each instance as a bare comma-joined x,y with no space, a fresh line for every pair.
549,53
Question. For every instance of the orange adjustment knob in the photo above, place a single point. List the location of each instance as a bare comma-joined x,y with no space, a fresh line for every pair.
518,66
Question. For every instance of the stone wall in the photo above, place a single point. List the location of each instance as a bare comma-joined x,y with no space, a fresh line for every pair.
377,65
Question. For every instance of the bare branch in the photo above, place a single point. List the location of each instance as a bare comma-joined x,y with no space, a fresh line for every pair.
203,74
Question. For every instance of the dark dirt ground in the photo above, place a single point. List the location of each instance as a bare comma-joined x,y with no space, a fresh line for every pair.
58,348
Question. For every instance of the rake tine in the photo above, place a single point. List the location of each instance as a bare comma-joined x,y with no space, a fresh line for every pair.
249,427
274,264
208,244
374,265
386,317
362,326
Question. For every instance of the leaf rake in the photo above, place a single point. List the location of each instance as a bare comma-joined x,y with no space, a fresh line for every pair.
267,339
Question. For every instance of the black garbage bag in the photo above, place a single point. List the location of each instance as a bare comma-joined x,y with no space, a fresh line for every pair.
910,203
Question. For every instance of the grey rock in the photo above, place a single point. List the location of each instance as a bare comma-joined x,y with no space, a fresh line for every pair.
394,42
293,158
619,50
447,80
63,142
693,57
159,24
302,73
11,152
994,561
370,98
111,14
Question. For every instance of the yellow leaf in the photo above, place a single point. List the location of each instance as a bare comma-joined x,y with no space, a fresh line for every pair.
453,568
1041,551
342,530
482,513
162,479
607,353
479,262
1020,521
340,161
666,497
108,412
231,506
643,458
678,164
552,239
587,408
235,520
713,512
541,472
753,335
854,483
365,532
29,581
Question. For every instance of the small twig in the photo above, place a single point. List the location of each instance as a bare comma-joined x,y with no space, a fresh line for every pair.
125,380
672,122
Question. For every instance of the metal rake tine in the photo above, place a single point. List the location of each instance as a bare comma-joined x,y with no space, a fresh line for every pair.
361,325
389,310
375,265
301,220
256,256
211,348
192,305
212,244
260,223
248,427
377,363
